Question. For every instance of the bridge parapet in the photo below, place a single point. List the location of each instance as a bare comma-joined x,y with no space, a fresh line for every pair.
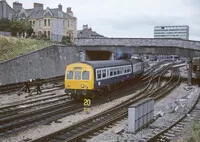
149,42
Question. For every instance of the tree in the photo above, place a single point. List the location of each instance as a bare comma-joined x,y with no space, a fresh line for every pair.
16,26
21,26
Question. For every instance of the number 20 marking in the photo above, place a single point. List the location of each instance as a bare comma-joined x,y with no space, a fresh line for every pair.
87,102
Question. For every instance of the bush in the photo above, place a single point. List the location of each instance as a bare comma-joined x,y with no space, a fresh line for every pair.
65,40
34,36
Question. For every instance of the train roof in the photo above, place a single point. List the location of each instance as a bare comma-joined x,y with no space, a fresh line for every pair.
108,63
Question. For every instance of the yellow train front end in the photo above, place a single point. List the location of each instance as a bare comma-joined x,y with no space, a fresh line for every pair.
79,80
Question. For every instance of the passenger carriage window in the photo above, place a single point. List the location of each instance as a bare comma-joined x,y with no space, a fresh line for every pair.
108,72
70,75
121,71
125,70
98,74
118,72
115,71
77,75
85,75
103,73
129,69
111,72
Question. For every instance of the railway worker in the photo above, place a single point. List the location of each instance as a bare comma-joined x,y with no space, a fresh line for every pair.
38,89
27,88
38,86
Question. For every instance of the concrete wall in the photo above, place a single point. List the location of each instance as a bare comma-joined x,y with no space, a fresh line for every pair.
44,63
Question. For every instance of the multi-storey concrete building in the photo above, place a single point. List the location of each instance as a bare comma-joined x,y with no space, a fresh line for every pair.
5,10
171,32
88,33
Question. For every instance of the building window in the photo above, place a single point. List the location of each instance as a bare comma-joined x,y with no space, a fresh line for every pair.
71,24
48,34
33,22
45,33
45,22
71,37
64,23
39,33
39,23
68,23
49,22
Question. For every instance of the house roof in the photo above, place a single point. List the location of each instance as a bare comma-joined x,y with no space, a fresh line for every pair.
88,33
37,14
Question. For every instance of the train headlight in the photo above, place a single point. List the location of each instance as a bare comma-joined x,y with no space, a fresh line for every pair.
82,86
86,86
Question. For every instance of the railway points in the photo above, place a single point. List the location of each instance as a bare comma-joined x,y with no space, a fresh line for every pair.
60,117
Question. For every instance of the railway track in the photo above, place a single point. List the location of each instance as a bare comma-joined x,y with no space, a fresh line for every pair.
94,123
169,132
20,107
17,86
11,118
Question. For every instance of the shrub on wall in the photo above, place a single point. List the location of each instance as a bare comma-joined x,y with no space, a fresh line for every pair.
66,39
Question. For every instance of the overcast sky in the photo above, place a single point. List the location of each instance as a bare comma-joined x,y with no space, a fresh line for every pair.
129,18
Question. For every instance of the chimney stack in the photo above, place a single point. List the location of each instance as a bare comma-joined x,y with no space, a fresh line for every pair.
38,6
85,27
69,11
17,6
60,7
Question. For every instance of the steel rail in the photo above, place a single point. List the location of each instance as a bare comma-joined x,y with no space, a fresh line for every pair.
108,113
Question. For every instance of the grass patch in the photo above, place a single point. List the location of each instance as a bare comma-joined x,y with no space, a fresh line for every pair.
195,137
11,47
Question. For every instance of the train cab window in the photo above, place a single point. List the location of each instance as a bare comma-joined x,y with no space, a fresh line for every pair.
77,75
69,74
85,75
98,74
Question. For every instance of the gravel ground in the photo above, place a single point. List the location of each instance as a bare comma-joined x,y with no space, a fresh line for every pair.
186,133
42,130
173,106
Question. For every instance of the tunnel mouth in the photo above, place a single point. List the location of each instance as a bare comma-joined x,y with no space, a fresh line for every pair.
98,55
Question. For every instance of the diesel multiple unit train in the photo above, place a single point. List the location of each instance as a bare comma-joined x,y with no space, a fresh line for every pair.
91,78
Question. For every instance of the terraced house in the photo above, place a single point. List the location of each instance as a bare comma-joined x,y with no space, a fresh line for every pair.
54,23
51,22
